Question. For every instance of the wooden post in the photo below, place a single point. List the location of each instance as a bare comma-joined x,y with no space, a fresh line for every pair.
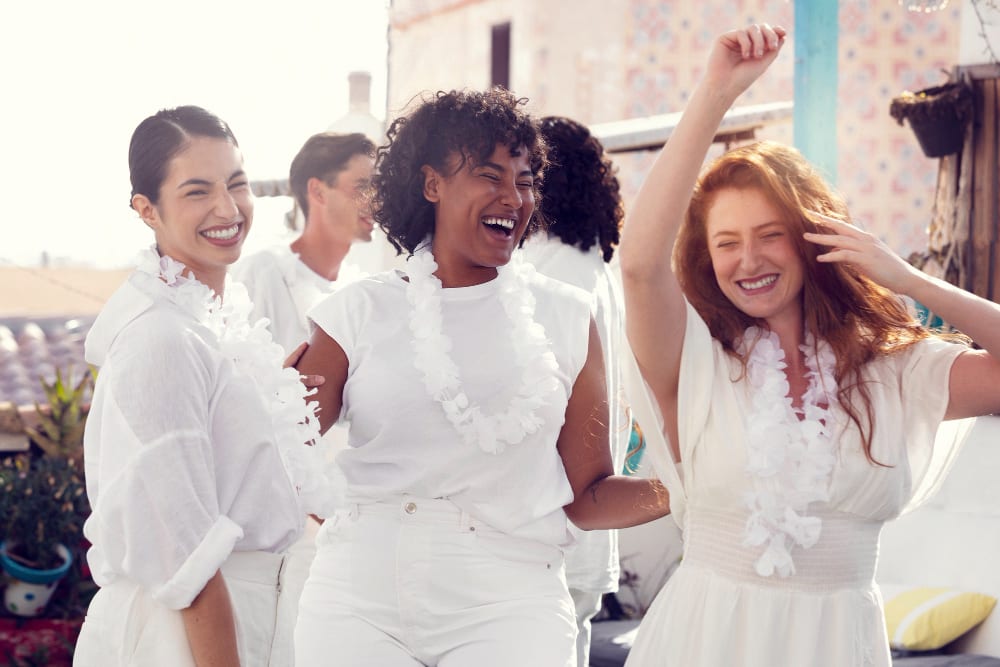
816,39
984,223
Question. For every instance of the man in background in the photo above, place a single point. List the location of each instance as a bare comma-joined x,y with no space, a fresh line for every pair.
329,179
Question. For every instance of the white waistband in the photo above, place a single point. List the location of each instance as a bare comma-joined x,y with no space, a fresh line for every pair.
438,511
844,557
259,566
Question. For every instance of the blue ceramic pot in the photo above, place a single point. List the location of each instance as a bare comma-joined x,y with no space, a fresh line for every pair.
31,575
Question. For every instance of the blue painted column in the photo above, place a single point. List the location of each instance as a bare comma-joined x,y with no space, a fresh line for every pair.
815,117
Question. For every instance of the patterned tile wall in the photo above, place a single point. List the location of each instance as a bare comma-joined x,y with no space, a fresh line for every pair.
883,50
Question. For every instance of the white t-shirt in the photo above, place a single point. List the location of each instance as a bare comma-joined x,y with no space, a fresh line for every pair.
181,463
400,440
592,563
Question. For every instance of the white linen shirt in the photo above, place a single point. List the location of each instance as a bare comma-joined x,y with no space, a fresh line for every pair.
401,443
282,289
592,563
181,464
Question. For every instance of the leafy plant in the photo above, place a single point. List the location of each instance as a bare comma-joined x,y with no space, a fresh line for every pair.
951,102
61,421
42,504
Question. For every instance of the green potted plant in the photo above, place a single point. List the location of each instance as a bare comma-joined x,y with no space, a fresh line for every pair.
60,422
43,501
43,505
938,116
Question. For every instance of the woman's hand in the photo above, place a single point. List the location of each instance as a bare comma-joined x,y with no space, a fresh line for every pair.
739,57
310,381
864,251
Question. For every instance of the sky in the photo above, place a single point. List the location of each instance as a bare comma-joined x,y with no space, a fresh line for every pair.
77,77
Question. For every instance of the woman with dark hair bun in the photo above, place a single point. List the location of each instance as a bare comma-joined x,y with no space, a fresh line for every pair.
197,467
473,388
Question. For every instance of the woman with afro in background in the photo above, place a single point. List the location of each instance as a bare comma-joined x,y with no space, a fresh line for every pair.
582,210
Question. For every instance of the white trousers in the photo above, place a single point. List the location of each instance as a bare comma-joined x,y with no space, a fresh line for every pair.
419,582
126,626
587,604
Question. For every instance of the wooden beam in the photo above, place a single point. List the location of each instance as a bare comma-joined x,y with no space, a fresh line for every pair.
983,234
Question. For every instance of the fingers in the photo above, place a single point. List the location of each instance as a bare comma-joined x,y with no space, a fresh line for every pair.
854,227
312,381
758,39
296,355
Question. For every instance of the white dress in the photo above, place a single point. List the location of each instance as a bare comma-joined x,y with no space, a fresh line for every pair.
728,603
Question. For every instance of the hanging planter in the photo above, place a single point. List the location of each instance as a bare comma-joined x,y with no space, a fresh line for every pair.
938,116
29,588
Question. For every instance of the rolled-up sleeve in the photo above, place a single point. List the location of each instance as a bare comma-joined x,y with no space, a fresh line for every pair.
157,519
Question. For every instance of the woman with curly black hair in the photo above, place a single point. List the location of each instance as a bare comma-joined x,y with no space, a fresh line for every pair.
474,393
582,209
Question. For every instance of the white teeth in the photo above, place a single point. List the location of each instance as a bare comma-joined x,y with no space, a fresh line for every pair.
757,284
222,234
506,223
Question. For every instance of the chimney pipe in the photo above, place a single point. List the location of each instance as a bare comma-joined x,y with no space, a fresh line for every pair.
360,84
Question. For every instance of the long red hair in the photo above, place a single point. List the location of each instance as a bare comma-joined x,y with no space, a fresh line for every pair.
857,317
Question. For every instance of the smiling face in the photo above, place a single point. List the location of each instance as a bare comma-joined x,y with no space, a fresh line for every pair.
755,259
482,210
205,208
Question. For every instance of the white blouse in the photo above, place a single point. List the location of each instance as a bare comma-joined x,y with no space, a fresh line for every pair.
181,460
400,439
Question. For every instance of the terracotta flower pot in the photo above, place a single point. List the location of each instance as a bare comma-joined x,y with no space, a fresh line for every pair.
938,116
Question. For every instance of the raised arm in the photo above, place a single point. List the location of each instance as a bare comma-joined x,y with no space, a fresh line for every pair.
974,387
654,304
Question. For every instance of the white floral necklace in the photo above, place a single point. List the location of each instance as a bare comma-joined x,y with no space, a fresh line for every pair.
533,357
789,460
258,358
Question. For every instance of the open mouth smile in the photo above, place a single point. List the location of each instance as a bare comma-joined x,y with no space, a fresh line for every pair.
758,283
223,233
499,225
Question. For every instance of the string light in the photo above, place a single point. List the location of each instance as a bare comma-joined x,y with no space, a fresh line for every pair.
924,6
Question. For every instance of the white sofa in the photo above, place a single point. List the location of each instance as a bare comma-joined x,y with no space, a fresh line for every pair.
953,540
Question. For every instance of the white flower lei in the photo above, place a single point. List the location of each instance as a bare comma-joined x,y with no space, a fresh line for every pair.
258,358
789,461
533,357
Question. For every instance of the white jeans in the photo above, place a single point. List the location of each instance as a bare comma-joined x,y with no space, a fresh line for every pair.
126,626
419,582
587,605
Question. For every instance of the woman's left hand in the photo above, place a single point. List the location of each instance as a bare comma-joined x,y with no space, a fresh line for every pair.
864,251
310,381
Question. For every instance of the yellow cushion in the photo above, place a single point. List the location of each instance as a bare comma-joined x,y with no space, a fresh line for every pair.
923,619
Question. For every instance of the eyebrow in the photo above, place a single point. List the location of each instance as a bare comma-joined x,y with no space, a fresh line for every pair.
497,167
727,232
200,181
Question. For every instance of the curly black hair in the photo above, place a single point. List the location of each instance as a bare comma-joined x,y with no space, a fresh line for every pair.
469,123
581,202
